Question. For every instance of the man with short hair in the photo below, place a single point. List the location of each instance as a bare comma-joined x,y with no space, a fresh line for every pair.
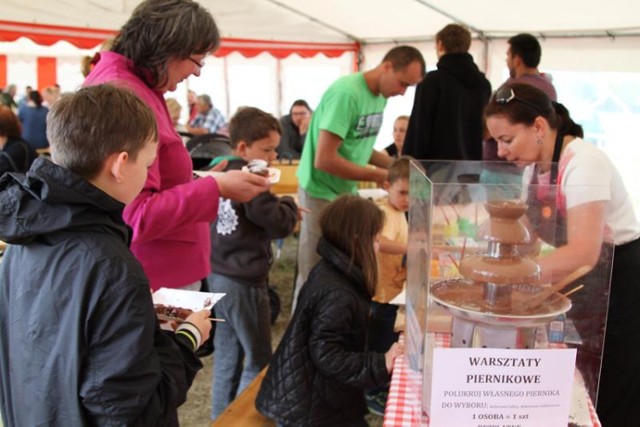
446,120
523,58
340,139
209,118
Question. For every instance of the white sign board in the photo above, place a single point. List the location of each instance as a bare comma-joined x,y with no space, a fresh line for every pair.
499,387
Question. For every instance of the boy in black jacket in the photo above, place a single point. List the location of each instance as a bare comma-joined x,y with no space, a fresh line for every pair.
240,261
79,339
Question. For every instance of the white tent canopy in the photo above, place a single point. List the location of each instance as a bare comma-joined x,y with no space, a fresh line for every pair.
364,21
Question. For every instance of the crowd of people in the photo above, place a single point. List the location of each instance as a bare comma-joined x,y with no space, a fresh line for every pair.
116,210
23,128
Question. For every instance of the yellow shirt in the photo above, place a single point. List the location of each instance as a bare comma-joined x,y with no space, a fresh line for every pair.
391,273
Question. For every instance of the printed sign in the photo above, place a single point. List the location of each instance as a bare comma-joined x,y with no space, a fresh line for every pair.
480,387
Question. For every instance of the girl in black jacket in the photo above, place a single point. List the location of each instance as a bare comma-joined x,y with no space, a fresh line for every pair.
321,367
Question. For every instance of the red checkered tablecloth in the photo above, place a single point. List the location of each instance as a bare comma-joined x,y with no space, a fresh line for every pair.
404,408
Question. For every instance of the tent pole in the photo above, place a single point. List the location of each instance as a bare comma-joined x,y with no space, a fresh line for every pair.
279,85
227,92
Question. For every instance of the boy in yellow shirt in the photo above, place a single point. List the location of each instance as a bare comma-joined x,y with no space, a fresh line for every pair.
392,269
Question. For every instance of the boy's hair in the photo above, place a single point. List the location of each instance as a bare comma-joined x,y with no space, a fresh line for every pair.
454,38
351,223
86,127
250,124
403,117
9,123
399,169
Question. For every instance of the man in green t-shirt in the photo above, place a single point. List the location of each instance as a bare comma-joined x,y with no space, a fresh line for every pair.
340,139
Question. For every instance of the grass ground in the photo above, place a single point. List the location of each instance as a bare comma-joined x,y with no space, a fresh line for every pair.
196,411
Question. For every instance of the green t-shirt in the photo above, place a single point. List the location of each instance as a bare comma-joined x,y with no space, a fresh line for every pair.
347,109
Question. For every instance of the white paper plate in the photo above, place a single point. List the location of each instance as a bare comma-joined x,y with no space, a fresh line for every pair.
193,300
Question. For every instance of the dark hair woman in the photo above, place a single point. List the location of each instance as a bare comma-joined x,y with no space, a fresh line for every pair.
33,116
594,218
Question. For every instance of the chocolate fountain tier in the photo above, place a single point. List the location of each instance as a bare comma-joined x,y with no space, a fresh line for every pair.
465,299
500,271
504,223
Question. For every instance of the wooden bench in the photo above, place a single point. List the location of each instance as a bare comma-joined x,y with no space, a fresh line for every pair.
242,411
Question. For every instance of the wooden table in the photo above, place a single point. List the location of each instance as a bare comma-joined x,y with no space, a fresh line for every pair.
242,411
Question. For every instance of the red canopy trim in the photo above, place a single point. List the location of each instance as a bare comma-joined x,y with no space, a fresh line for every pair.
282,49
86,38
47,35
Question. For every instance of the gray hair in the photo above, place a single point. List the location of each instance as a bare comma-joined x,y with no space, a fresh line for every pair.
159,30
206,99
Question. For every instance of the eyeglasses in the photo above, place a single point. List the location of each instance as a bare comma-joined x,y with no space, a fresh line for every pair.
505,94
200,63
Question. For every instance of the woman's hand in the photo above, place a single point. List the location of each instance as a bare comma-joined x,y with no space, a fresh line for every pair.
241,186
390,356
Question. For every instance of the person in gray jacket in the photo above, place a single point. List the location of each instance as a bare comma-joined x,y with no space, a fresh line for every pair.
79,340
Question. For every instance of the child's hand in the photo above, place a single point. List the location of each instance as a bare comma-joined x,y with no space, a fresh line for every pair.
390,356
200,319
301,210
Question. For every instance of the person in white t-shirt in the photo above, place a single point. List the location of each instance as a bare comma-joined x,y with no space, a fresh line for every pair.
592,217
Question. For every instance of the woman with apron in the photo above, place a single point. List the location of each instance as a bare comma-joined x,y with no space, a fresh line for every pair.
580,206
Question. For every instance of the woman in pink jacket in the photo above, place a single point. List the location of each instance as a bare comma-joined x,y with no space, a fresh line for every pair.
162,43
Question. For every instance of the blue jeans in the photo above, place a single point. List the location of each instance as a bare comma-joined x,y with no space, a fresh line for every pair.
242,343
382,318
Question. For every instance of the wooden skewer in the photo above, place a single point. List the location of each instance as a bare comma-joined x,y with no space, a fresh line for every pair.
455,210
453,260
539,298
446,218
464,246
179,320
566,294
576,289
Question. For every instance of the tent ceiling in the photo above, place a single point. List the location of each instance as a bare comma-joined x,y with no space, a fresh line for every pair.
367,21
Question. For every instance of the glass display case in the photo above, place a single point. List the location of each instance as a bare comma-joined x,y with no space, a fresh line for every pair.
500,330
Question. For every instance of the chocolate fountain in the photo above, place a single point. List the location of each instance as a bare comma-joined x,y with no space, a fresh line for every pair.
491,303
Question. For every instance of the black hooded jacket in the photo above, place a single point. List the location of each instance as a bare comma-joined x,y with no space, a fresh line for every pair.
447,118
320,369
79,339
